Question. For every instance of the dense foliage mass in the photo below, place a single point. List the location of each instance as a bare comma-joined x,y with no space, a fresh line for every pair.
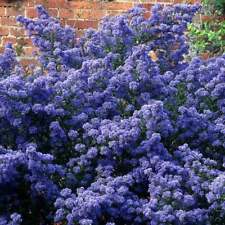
115,128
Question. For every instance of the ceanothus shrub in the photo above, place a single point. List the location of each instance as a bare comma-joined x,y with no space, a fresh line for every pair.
115,127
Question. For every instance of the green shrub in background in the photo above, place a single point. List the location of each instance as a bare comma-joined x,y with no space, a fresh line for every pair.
207,34
207,37
220,5
212,7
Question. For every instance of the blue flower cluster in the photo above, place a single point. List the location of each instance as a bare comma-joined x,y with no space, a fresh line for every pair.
116,128
8,61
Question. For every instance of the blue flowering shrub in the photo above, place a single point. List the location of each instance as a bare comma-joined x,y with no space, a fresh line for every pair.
115,128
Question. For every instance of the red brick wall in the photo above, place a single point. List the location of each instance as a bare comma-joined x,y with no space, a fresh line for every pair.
77,13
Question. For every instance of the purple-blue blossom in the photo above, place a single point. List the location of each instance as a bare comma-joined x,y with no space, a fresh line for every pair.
116,128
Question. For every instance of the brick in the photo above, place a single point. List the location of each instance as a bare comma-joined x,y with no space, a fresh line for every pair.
4,31
27,61
85,4
6,40
113,12
28,51
98,14
29,3
2,49
53,12
14,11
10,21
147,6
25,41
18,32
57,3
31,12
4,3
118,5
66,13
77,13
71,22
22,41
28,41
2,11
90,14
52,3
81,24
147,15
